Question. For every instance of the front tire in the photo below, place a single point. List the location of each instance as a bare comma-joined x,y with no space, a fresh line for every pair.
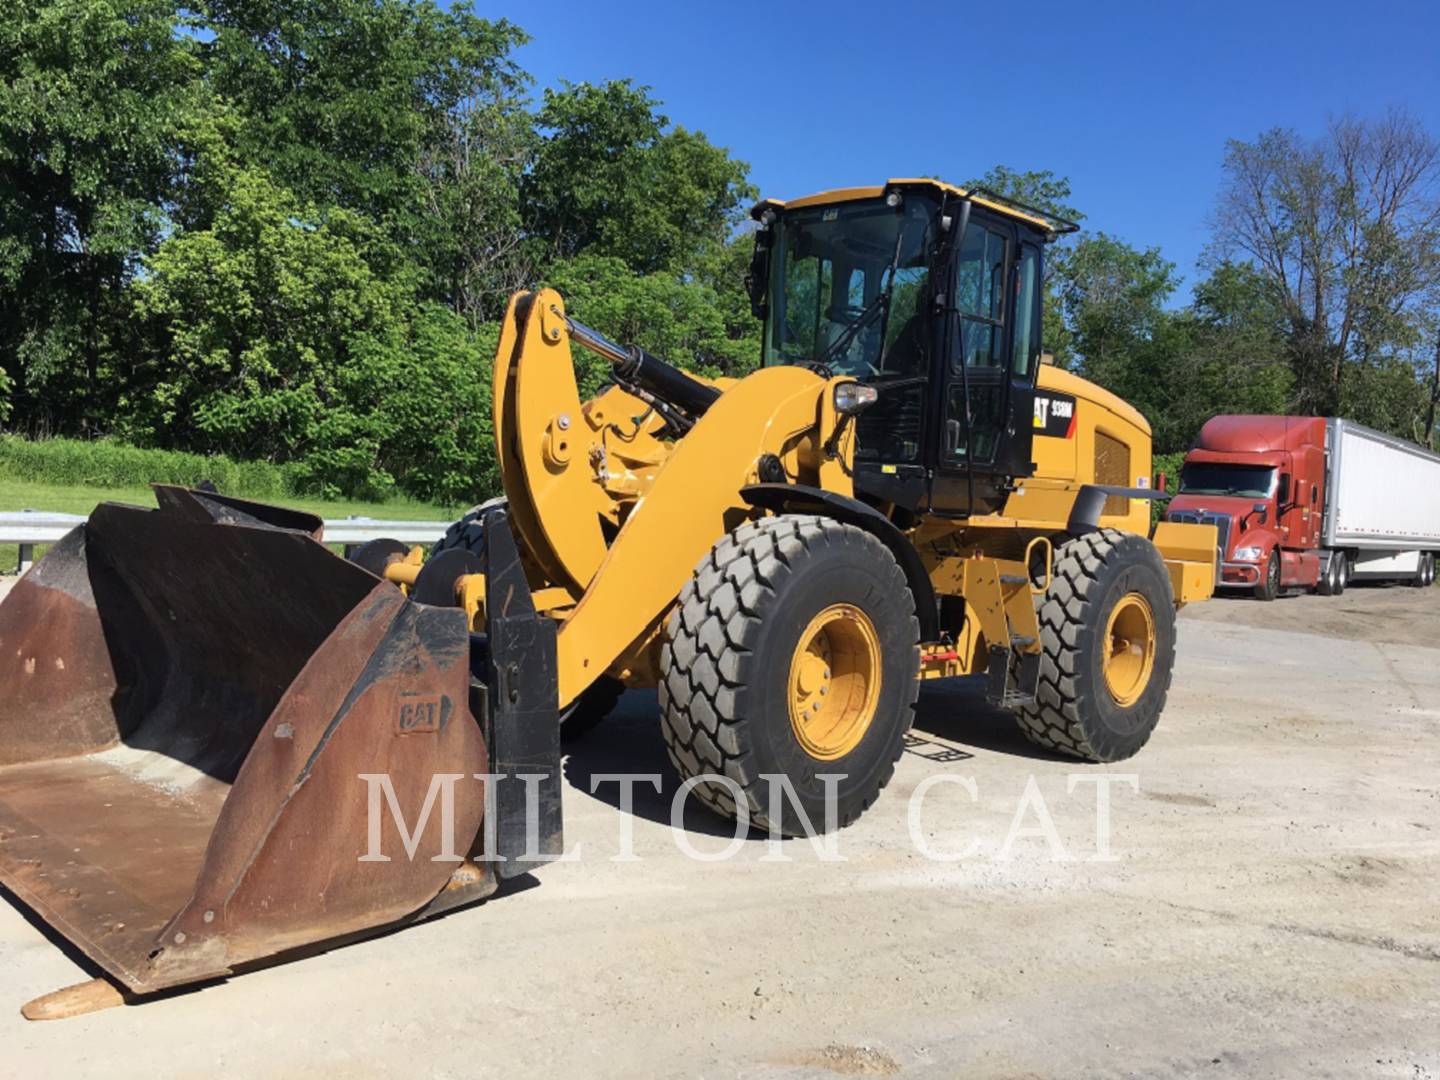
1107,631
792,651
1269,586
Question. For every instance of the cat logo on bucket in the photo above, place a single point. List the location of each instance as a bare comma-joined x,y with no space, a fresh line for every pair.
421,712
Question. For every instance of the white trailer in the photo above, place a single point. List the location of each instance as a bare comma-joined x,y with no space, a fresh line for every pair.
1382,505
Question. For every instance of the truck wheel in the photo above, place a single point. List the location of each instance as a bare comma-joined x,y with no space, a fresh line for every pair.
1342,572
1107,631
1326,585
793,651
1269,587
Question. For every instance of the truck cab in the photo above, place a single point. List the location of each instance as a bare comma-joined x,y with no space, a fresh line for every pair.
1260,480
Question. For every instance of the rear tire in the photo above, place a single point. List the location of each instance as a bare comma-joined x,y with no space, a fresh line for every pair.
737,659
1342,572
1269,586
1326,585
1104,584
600,697
1425,573
468,532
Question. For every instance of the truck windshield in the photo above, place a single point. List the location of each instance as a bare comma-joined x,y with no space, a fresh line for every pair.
1209,478
845,286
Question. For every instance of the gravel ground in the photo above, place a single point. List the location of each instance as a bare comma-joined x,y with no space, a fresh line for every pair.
1270,909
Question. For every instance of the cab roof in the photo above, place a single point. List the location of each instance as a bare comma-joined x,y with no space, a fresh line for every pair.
1051,225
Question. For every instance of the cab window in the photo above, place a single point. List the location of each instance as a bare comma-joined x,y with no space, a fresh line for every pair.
980,297
1026,351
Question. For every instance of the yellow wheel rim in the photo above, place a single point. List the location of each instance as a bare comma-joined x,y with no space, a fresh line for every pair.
1129,655
834,682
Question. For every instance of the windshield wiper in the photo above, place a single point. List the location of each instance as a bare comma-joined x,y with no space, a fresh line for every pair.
868,313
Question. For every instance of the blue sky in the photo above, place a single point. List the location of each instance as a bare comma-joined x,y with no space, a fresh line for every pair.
1132,101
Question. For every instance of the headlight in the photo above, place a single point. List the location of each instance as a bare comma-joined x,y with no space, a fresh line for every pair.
852,397
1248,554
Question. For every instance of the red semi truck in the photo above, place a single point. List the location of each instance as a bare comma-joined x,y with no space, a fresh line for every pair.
1309,503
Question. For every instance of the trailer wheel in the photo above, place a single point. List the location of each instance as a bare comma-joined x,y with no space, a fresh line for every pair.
1425,572
1269,586
1107,631
1326,586
792,652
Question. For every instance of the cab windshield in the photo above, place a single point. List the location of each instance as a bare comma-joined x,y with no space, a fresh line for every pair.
1207,478
833,268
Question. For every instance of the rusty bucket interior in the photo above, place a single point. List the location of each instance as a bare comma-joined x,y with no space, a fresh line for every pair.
190,697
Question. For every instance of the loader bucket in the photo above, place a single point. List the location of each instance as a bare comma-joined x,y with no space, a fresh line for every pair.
191,698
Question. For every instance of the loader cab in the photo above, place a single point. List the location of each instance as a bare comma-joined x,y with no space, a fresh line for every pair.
932,296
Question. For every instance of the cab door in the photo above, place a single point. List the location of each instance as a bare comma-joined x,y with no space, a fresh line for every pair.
987,392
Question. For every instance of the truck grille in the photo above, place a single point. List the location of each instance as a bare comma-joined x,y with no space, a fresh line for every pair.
1196,517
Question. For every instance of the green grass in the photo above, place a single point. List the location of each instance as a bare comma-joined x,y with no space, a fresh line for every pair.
81,499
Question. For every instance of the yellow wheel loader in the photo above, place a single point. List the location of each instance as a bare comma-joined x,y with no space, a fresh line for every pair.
206,717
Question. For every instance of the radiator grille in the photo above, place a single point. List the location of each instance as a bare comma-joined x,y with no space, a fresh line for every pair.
1112,468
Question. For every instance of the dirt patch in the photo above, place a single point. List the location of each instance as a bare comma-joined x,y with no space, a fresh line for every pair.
1394,614
848,1061
1176,798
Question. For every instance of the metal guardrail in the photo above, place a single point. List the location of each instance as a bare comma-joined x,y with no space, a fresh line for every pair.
30,527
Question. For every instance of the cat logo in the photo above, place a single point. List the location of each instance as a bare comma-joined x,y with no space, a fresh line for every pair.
422,713
1055,415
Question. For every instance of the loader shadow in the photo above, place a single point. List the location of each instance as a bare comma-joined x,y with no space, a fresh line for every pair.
956,711
953,722
629,742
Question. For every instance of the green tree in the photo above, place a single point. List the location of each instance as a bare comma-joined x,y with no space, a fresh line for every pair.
611,178
1346,229
1113,299
680,321
92,93
257,315
341,97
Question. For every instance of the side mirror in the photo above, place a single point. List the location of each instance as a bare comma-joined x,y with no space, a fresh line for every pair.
757,281
1261,509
